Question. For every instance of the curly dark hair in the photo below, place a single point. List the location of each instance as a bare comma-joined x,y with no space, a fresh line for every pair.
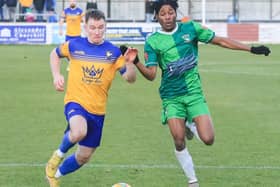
160,3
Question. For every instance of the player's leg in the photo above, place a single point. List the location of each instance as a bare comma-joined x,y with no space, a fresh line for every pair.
87,145
75,161
71,164
77,131
199,112
177,130
75,116
205,128
191,131
174,113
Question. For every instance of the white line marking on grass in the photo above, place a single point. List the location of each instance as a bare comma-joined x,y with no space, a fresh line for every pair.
240,73
148,166
236,63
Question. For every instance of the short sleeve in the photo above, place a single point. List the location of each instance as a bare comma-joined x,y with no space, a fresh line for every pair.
150,55
205,34
63,50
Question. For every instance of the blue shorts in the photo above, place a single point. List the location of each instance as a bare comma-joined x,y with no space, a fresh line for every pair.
94,124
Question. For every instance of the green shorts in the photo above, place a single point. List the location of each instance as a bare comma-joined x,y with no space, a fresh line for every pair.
184,107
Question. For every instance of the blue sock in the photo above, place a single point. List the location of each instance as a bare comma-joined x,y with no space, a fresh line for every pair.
69,165
66,144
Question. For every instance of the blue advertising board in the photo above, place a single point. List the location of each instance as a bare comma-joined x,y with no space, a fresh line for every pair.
23,34
124,34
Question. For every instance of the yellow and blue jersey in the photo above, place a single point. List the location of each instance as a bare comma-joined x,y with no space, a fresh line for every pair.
73,17
92,70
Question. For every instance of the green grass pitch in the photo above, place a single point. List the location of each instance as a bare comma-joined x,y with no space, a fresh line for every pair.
242,91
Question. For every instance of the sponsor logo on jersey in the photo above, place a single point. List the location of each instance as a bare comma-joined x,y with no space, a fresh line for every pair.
79,52
109,55
186,38
92,74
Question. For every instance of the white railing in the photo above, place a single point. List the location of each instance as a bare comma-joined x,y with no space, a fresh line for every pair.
45,16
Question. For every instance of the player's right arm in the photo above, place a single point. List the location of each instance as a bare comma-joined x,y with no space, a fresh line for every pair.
148,72
129,54
58,79
149,69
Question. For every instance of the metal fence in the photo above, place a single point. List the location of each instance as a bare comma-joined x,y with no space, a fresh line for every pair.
241,10
215,10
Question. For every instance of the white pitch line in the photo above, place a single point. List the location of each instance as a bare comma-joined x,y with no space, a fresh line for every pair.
240,73
148,166
235,63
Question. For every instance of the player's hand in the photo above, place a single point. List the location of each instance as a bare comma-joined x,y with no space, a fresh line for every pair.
58,83
131,54
123,49
260,50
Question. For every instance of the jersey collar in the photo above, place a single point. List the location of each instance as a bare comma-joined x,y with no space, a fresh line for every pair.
169,33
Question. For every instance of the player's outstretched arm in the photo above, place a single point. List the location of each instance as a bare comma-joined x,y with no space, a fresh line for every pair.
130,73
58,79
148,72
235,45
133,54
260,50
130,54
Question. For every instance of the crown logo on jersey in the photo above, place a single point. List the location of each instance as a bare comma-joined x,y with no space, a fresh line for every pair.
109,54
92,74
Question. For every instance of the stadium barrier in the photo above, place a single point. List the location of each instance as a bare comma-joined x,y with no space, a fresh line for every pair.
134,33
33,17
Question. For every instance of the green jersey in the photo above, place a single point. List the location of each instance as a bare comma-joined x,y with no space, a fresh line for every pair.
176,54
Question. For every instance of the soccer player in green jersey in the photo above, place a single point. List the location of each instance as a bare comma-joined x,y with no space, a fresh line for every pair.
174,49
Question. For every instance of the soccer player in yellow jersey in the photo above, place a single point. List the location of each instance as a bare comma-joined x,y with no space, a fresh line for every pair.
94,63
73,16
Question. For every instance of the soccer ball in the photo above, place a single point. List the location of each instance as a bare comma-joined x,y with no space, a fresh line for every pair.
121,184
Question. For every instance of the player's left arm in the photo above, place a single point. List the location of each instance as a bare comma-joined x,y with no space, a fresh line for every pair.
130,73
206,35
130,56
235,45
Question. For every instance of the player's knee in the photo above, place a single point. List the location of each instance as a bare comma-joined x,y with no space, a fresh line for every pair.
77,136
179,144
208,140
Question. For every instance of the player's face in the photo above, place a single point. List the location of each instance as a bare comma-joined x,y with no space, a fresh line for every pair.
95,30
167,18
72,3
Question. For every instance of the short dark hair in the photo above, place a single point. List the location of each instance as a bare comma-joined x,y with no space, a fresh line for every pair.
160,3
94,14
